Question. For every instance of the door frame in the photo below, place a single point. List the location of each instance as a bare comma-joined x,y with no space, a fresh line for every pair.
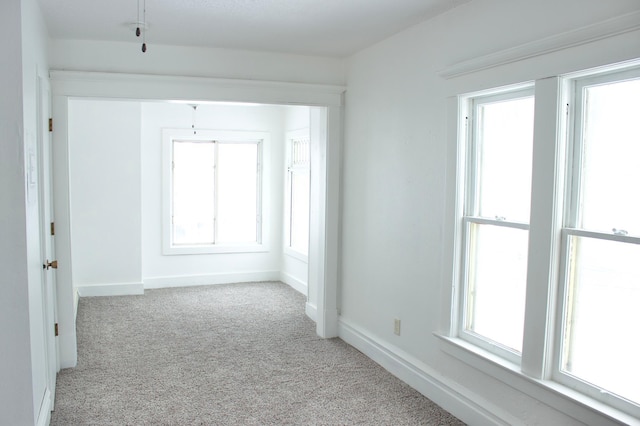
47,249
324,255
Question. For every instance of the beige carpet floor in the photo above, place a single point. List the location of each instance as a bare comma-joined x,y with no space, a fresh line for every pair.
240,354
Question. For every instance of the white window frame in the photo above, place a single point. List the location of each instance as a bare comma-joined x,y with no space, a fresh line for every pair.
226,136
470,105
573,87
294,135
537,373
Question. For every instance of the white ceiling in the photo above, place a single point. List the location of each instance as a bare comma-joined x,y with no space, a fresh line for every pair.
314,27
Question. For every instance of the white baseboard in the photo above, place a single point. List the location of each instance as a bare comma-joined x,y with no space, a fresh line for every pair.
122,289
469,408
44,415
67,348
293,282
76,299
311,311
210,279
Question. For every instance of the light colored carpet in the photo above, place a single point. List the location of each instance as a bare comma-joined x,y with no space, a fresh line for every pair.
240,354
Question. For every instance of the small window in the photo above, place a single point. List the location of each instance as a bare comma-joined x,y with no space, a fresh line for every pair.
496,220
213,192
298,180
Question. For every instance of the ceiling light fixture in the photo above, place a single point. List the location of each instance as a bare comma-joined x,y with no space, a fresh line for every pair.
141,26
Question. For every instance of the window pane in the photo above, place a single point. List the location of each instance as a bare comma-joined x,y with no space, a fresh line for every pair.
237,193
193,192
300,212
505,144
611,156
497,283
601,344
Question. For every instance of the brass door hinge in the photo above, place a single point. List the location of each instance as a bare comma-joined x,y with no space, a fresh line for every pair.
51,124
53,228
55,329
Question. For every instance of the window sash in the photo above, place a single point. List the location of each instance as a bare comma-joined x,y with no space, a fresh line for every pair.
215,240
558,374
575,89
464,332
472,209
553,221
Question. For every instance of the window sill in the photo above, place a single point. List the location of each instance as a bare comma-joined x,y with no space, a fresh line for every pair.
555,395
214,249
296,254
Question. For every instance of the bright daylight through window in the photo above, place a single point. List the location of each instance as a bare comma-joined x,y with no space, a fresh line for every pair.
298,195
601,291
214,192
496,218
590,318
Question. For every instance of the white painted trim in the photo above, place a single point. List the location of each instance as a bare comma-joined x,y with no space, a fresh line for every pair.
322,269
311,311
468,407
67,345
120,289
567,401
147,86
294,283
579,36
287,251
76,299
210,279
44,415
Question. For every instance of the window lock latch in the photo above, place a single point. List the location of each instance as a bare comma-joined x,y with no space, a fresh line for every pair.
619,231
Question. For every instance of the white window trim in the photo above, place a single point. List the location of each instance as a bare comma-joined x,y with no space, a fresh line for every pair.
171,135
573,94
469,209
287,249
535,375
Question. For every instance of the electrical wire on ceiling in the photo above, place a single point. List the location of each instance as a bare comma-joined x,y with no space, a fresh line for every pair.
142,24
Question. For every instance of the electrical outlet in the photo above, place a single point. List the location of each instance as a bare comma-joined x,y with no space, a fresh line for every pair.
396,326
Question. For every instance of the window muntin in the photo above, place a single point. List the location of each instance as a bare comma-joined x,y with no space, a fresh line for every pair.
600,284
496,221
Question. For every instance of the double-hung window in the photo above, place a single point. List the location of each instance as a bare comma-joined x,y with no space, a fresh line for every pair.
496,219
599,342
549,234
297,193
213,197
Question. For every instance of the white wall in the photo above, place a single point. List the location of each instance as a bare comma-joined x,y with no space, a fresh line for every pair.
22,45
15,369
395,236
159,270
194,61
105,193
